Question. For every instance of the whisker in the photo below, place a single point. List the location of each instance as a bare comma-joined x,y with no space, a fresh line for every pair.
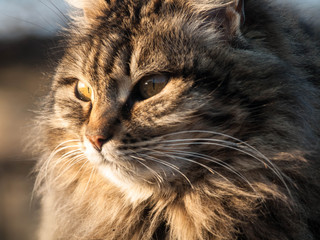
69,166
149,182
85,189
59,10
231,137
75,153
170,165
192,161
44,169
274,170
67,154
236,144
54,10
271,166
157,175
51,157
218,162
59,145
26,21
79,160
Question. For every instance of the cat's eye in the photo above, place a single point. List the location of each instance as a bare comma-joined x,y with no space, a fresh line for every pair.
83,91
153,85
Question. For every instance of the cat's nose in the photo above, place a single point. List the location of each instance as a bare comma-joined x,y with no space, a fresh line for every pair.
97,141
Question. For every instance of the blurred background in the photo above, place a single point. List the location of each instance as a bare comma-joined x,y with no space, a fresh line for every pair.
29,52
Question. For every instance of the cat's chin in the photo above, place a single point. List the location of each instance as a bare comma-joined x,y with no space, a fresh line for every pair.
133,188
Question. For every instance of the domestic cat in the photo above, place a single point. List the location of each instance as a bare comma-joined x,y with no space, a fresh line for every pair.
182,120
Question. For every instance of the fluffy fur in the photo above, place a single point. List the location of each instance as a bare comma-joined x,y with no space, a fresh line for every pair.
229,149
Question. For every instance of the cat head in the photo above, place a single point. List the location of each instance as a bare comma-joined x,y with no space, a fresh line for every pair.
155,94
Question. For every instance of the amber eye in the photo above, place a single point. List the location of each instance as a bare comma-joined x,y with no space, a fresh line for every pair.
152,85
83,92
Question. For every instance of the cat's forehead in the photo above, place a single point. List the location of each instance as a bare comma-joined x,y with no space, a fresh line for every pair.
164,44
137,40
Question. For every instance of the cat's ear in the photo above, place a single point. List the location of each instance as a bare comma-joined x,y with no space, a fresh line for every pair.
91,8
235,16
230,16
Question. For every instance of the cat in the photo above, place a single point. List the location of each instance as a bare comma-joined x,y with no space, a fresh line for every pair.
182,120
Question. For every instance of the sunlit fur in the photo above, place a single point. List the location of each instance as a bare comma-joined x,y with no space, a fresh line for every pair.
229,149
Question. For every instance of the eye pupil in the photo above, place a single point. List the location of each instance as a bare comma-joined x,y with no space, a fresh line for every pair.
152,86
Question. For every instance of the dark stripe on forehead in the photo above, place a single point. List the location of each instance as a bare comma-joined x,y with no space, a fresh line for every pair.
113,49
152,8
90,43
112,90
96,59
137,13
128,55
123,58
120,70
157,6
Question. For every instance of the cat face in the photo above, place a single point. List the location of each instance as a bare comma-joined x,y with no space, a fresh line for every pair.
157,94
128,94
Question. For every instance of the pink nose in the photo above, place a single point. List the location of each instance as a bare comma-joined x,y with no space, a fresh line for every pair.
97,141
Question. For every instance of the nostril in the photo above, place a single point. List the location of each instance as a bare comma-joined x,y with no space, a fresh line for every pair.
98,140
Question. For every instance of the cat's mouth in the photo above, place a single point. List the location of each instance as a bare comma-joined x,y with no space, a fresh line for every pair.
112,161
125,165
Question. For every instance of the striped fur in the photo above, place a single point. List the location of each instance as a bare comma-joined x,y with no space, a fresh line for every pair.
229,149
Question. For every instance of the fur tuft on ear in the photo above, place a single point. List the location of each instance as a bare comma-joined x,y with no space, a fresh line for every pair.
91,8
235,16
228,14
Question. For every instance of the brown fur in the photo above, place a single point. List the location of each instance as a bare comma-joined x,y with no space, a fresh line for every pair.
229,149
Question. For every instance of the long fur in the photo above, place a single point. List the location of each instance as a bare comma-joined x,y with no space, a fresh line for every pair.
229,149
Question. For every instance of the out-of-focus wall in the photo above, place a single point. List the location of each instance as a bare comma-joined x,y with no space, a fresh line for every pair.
20,18
28,55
